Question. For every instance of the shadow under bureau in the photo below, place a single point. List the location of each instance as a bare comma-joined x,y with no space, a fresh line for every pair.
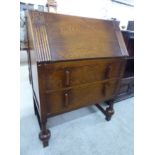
74,62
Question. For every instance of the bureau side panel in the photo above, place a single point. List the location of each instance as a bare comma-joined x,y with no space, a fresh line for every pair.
33,62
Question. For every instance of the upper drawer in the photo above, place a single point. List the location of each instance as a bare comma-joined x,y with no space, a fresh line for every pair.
69,74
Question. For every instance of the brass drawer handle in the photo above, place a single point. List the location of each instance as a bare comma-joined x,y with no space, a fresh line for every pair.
108,71
66,100
67,77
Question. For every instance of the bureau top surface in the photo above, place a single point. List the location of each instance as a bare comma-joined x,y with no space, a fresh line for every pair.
57,37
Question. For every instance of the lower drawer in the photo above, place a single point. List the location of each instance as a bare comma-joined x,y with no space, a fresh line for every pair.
66,100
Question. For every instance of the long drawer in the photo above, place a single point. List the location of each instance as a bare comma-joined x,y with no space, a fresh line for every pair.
66,100
62,75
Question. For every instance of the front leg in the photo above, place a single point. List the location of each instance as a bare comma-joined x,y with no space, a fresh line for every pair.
109,110
44,134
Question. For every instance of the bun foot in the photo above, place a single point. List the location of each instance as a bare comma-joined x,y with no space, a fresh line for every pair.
109,113
108,118
44,136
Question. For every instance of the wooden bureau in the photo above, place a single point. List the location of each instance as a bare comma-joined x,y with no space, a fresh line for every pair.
74,62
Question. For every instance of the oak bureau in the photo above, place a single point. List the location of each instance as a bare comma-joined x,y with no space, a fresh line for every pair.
74,62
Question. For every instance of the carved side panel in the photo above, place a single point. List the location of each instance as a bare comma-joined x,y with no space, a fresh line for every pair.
33,62
40,37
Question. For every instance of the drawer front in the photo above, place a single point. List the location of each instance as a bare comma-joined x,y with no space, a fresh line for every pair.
61,101
61,76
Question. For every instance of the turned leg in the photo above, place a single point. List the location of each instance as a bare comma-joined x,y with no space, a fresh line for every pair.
109,110
44,134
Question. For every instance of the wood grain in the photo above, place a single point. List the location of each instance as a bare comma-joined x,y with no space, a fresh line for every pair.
62,37
75,62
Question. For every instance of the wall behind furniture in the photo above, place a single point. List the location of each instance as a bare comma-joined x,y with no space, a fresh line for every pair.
104,9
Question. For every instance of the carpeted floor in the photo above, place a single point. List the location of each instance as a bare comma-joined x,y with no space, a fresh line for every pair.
80,132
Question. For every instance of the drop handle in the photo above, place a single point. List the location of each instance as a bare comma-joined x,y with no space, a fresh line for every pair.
108,71
66,100
67,77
